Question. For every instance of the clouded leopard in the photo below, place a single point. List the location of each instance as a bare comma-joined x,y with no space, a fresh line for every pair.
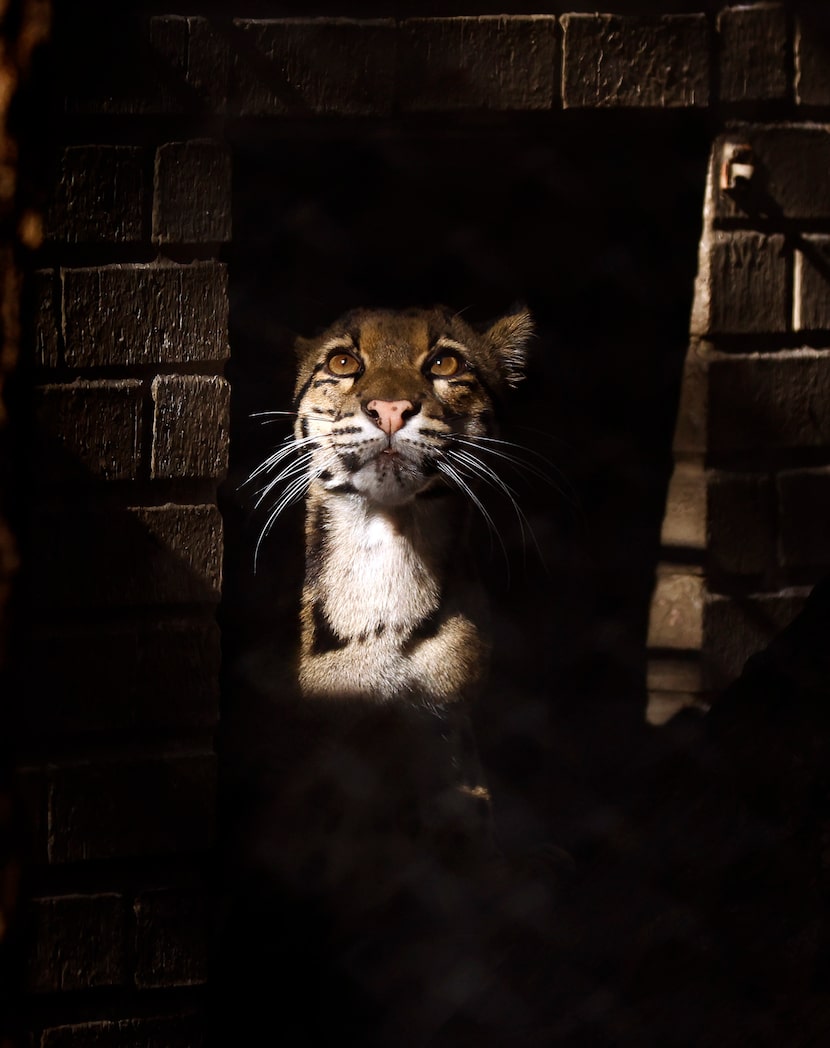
384,813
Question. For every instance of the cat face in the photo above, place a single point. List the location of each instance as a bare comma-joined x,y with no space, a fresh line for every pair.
386,400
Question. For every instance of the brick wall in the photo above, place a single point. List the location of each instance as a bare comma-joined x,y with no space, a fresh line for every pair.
129,418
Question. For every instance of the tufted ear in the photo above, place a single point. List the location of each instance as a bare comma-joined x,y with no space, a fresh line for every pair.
510,335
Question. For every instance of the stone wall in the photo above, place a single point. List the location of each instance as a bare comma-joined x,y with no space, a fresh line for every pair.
129,418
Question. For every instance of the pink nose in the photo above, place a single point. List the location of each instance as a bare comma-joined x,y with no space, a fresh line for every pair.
390,415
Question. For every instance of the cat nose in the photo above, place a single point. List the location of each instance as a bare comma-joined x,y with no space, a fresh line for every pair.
390,415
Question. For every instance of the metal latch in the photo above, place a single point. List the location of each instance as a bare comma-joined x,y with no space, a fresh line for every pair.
737,165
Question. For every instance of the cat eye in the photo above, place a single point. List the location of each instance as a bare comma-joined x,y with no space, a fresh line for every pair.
443,365
343,364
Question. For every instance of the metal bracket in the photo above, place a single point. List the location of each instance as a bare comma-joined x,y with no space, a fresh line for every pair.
737,166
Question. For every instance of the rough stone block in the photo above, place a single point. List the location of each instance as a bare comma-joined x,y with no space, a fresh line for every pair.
192,193
88,430
179,1031
171,938
99,196
198,57
675,619
142,314
45,296
684,520
747,279
690,427
151,806
785,184
135,679
632,60
302,66
753,52
190,426
811,284
812,57
766,401
804,517
78,942
142,555
470,63
740,523
735,628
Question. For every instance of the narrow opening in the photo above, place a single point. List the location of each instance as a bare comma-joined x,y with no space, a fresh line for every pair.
591,220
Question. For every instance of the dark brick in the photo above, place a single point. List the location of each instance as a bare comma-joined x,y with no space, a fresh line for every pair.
299,66
78,942
45,297
740,523
804,521
791,180
137,556
190,429
811,284
753,53
199,58
171,938
763,401
88,430
812,58
747,285
735,628
192,201
471,63
142,314
620,60
99,196
151,806
140,678
176,1031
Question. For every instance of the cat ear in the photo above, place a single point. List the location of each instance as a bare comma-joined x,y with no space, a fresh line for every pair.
302,346
511,335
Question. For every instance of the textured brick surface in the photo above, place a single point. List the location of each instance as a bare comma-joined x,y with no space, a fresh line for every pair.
142,678
302,66
684,520
162,1032
99,196
142,555
45,296
198,58
171,938
676,610
155,806
192,193
690,428
470,63
740,523
804,517
812,58
811,284
759,401
88,429
736,628
747,292
617,60
77,942
190,426
792,165
753,52
137,314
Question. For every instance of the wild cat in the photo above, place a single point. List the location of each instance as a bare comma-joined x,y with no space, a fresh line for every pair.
394,433
385,813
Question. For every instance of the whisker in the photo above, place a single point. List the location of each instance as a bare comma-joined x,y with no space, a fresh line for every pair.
454,474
